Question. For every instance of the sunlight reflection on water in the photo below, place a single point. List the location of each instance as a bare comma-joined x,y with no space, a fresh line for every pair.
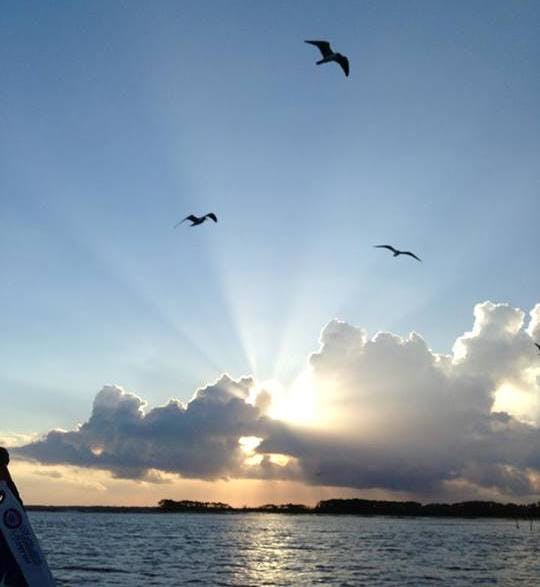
272,549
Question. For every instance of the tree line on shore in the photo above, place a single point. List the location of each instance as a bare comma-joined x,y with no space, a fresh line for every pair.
367,507
360,507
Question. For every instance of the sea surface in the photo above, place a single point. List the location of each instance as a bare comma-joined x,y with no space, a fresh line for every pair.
271,549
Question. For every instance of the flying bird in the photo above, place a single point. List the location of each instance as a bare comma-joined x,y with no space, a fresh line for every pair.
537,346
396,252
329,55
195,220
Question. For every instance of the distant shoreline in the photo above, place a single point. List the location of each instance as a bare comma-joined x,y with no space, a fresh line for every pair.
358,507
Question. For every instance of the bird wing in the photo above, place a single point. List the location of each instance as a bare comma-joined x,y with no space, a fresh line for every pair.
324,47
212,216
386,247
344,62
411,255
190,217
537,345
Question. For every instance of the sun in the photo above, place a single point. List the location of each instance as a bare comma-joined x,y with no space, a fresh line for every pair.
296,403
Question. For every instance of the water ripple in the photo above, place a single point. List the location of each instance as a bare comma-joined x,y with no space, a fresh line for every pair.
268,549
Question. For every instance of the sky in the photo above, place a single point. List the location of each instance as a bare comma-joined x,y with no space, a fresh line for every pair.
119,119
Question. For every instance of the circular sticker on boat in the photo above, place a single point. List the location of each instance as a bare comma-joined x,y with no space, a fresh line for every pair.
12,519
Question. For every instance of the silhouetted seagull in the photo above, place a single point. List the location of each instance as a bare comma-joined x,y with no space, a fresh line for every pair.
396,252
195,220
329,55
537,346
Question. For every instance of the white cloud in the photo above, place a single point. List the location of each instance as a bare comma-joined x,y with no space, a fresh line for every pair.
398,417
534,326
16,438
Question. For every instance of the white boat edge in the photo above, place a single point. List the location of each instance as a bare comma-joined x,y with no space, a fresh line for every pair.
21,540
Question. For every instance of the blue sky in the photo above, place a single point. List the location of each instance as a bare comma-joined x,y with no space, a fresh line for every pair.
120,118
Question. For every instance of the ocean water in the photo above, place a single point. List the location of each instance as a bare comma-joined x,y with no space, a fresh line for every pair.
270,549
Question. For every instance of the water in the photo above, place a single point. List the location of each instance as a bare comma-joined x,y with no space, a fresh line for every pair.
270,549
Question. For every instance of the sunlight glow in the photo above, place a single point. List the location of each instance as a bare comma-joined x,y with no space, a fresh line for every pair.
279,459
520,404
249,443
297,403
254,459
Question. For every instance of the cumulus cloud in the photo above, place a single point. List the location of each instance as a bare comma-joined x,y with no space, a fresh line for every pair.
394,415
16,438
414,420
200,440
